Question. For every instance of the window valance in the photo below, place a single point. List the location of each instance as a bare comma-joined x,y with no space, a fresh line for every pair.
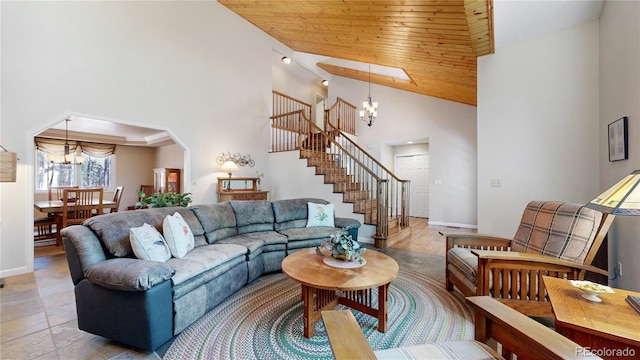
56,146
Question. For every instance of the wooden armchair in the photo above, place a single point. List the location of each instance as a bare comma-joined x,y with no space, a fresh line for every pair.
554,239
519,337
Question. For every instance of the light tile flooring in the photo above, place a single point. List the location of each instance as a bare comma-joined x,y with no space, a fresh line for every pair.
38,315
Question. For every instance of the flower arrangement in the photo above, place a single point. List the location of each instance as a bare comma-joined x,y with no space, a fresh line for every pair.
343,247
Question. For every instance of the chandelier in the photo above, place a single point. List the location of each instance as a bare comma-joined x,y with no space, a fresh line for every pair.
370,111
68,158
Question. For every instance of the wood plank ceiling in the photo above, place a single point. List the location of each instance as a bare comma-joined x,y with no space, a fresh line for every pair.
436,42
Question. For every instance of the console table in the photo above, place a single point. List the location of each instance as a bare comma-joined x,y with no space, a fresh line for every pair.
239,188
605,327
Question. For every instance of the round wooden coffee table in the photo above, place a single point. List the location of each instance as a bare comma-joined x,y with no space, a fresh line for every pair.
324,286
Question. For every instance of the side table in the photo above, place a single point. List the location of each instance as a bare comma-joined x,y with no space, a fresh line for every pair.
609,329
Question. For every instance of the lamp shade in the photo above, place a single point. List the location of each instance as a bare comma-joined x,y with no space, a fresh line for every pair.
229,166
622,198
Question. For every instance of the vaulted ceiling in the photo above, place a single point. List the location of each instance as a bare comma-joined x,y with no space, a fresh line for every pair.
436,42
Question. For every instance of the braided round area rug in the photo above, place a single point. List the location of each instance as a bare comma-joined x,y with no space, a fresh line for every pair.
264,321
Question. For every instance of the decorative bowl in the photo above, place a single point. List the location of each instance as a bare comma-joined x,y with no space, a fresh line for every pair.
591,289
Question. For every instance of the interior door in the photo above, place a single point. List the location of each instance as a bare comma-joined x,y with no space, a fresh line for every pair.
416,169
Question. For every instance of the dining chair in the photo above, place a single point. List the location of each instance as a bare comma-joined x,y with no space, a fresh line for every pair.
55,192
117,196
44,228
79,205
147,190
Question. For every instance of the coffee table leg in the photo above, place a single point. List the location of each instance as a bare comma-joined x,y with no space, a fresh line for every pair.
307,309
383,292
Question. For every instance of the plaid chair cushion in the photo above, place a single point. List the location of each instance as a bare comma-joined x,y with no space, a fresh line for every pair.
562,230
465,262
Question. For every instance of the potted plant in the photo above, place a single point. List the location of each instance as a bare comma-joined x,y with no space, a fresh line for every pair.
163,200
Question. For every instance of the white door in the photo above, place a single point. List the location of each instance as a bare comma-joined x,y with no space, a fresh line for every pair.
416,169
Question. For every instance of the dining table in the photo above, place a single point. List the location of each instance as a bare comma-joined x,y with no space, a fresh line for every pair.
55,206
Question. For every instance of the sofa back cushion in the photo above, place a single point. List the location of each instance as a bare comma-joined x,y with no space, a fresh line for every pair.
253,216
292,213
553,228
217,220
113,229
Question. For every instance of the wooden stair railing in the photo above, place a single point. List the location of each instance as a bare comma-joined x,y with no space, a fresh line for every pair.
398,189
381,199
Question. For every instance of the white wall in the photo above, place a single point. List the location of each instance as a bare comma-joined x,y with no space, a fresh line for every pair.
537,125
619,96
450,128
192,67
295,81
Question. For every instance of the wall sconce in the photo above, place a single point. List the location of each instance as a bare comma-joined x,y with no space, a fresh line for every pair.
8,165
286,60
325,82
229,166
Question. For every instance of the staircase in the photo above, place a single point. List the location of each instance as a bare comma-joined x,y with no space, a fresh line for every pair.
363,182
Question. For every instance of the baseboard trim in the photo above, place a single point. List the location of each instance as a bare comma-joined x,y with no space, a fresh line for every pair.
466,226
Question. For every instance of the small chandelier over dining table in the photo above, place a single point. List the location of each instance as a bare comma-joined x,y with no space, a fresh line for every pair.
370,108
68,157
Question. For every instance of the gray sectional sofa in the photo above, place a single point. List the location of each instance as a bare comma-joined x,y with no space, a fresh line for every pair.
145,303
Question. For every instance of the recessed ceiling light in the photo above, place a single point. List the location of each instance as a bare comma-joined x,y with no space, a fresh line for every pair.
409,142
286,60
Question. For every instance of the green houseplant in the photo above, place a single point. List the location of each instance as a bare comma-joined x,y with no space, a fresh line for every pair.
163,200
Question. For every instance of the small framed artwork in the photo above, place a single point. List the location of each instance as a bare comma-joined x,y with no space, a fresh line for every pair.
618,140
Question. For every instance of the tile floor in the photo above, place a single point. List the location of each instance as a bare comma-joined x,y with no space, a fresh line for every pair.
38,317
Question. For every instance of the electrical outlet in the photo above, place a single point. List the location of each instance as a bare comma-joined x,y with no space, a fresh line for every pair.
619,268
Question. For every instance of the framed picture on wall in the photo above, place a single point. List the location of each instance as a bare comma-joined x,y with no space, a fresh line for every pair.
618,139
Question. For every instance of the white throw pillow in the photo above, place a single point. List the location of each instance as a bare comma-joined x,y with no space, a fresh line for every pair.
178,235
148,244
320,215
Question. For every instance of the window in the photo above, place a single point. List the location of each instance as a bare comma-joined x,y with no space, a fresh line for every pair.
94,171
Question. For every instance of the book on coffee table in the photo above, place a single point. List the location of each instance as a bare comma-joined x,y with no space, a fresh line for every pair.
634,301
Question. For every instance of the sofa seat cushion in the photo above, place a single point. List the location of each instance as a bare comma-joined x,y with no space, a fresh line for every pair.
463,350
305,233
127,274
257,241
204,258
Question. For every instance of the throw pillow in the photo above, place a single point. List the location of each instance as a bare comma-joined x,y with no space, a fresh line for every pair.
320,215
178,235
148,244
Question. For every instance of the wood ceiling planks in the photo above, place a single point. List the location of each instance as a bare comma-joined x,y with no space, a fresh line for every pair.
436,42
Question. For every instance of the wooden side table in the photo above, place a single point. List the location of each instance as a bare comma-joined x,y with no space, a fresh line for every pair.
610,329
